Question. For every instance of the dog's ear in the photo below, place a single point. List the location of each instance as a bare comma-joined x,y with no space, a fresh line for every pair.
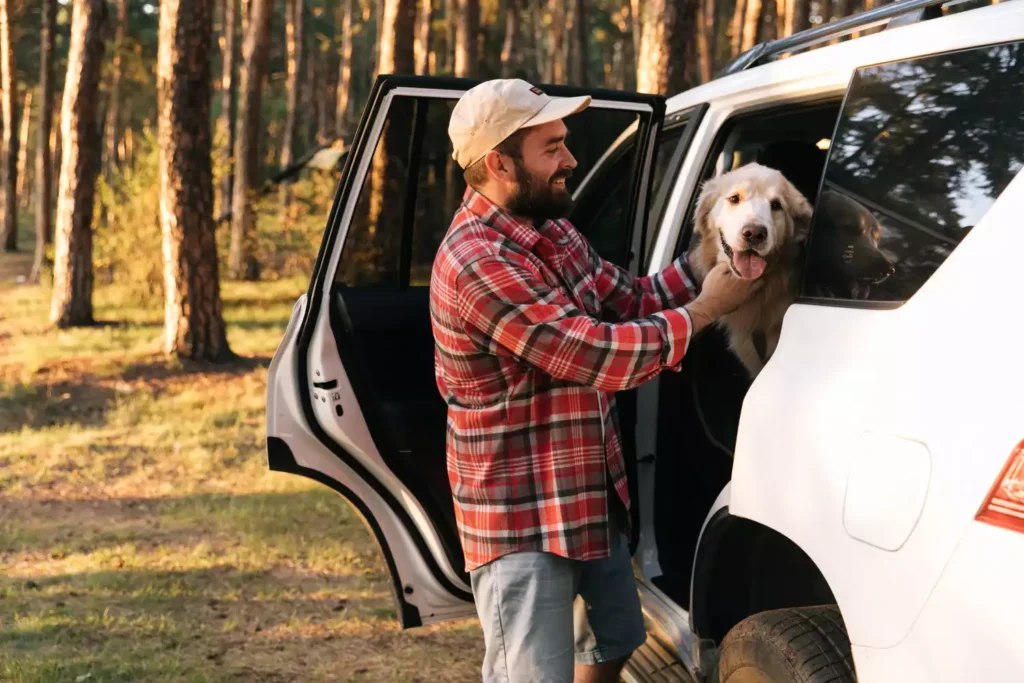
800,209
708,195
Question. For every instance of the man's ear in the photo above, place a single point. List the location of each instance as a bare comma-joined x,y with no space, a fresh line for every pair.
499,166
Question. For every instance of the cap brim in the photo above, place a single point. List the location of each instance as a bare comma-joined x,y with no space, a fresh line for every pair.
558,108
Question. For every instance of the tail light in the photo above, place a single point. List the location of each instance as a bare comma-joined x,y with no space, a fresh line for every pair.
1004,506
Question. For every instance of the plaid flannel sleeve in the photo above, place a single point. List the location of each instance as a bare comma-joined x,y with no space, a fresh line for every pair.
507,310
625,297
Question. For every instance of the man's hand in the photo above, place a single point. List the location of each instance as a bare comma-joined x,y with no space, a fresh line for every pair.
722,292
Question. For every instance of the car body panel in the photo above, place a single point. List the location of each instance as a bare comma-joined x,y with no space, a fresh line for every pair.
917,372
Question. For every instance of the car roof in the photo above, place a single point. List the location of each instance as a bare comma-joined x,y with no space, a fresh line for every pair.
982,26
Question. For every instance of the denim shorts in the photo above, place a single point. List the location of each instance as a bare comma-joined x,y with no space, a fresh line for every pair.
542,613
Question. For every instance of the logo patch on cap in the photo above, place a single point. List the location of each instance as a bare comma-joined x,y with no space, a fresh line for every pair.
536,91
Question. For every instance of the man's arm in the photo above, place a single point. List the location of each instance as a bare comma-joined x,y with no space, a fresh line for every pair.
507,310
625,297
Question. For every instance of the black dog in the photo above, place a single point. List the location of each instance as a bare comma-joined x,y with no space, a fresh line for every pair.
845,261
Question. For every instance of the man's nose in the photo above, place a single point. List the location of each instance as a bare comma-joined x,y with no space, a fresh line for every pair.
569,161
755,233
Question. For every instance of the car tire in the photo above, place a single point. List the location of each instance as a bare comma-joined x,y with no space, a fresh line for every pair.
806,645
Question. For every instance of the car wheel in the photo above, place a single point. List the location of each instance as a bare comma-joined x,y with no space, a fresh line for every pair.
806,645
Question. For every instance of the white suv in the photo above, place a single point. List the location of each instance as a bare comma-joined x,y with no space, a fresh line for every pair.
862,517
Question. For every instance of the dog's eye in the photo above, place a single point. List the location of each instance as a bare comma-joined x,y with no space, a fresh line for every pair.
734,199
776,205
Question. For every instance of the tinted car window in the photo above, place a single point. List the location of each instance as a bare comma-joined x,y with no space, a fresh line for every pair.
384,232
922,149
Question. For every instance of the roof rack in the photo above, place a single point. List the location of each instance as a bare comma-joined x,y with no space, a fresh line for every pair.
896,14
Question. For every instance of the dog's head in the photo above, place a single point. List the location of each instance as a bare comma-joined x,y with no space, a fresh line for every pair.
844,251
751,216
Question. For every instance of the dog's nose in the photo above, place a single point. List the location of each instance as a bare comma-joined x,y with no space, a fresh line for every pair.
755,234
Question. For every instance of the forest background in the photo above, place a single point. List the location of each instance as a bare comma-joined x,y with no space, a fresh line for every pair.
159,216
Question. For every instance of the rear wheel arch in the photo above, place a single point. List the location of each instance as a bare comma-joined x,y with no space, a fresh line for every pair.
742,568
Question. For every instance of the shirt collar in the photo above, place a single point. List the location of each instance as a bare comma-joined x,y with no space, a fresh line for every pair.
492,215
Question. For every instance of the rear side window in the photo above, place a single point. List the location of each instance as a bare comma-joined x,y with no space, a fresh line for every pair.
921,151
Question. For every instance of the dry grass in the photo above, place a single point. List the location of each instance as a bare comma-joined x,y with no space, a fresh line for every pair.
142,537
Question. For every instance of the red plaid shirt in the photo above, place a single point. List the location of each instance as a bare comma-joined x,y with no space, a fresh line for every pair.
534,333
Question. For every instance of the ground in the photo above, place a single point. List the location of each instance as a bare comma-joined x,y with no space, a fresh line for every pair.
142,537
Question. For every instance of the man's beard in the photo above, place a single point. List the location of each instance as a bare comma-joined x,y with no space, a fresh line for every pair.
538,199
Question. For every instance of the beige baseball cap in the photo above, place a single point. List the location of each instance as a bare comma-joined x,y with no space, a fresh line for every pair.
491,111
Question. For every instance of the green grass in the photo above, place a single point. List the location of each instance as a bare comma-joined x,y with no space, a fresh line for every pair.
142,537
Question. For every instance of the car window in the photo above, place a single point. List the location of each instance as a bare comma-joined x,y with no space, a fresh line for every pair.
371,254
389,245
921,151
609,192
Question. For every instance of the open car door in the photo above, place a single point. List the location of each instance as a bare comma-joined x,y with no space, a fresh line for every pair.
351,399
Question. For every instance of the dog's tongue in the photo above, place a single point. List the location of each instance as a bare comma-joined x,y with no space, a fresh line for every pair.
749,264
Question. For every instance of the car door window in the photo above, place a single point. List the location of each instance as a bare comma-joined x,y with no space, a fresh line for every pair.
608,192
922,149
393,221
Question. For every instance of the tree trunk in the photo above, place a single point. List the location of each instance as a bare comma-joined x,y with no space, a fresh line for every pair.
800,16
294,13
736,29
451,20
80,164
341,115
707,39
556,36
751,23
396,44
112,129
26,119
193,324
667,27
509,47
44,160
580,35
396,56
826,11
424,15
538,40
466,28
246,15
9,143
781,17
328,106
309,97
242,258
768,23
841,9
226,119
635,13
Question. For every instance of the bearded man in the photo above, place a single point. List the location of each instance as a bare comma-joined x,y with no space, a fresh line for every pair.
534,333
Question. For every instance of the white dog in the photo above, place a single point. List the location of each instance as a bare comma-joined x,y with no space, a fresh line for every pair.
755,220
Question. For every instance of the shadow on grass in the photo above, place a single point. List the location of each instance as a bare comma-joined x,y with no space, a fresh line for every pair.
85,399
170,625
300,524
240,302
161,369
38,406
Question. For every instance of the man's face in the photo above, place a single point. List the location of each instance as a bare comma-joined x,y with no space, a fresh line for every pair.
544,164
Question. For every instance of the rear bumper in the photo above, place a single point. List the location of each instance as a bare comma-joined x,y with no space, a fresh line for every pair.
971,628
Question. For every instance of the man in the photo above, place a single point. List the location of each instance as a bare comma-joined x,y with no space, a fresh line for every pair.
534,333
